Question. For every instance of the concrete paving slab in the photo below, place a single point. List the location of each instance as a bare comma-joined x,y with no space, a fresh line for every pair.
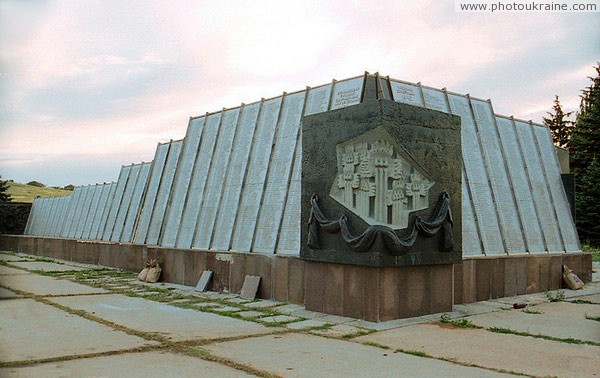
339,330
279,319
390,324
7,257
306,324
521,354
262,304
33,330
558,319
43,285
594,298
5,270
335,319
133,365
301,355
170,321
227,309
7,294
478,307
289,308
250,314
46,266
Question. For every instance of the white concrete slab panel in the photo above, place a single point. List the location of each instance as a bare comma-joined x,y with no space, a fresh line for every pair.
510,224
541,196
407,93
195,194
347,92
79,212
60,216
301,355
170,321
255,176
520,185
183,175
278,179
94,200
476,176
317,100
42,285
100,206
125,202
31,330
232,189
559,198
435,99
289,235
71,212
215,181
48,217
147,207
115,203
136,200
520,354
164,192
471,242
112,189
131,365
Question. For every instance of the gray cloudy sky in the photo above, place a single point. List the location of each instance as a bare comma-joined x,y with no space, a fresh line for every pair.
88,86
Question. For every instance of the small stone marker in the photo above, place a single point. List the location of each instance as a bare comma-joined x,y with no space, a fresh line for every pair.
250,287
204,280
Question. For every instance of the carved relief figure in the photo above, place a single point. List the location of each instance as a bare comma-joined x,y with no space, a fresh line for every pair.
377,184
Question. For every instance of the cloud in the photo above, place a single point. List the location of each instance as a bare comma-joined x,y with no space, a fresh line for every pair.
104,81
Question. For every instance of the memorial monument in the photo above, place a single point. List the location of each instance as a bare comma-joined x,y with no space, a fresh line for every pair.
332,194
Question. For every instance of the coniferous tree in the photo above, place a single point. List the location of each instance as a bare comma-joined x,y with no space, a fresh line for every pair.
559,124
584,149
4,196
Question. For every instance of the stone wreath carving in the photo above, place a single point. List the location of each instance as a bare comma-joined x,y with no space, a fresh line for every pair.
394,244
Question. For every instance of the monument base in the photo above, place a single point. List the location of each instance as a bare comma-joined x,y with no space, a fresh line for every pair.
362,292
378,294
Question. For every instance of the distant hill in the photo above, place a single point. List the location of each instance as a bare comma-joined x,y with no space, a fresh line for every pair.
27,193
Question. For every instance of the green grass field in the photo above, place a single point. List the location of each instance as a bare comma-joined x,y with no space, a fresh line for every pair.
27,193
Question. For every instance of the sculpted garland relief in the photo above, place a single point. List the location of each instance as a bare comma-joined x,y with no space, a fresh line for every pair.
375,182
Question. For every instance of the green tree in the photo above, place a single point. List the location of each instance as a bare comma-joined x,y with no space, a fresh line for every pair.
584,148
36,183
4,196
559,124
587,205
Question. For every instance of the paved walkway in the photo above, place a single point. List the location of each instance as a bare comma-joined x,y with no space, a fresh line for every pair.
61,319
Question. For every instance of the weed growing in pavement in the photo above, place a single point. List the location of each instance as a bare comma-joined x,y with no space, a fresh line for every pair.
376,345
582,301
533,312
568,340
362,332
596,318
462,323
557,297
417,353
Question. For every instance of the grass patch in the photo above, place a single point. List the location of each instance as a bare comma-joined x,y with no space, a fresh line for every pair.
596,318
556,297
417,353
376,345
593,250
533,312
568,340
461,323
358,334
27,193
582,301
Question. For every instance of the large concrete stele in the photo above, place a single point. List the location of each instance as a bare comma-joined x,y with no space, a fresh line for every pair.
381,186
